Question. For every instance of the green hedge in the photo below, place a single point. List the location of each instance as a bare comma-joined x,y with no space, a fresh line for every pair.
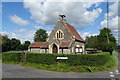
87,60
73,59
41,58
11,56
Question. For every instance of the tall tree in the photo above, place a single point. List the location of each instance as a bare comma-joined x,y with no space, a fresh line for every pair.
12,44
40,35
118,48
106,41
26,44
91,42
5,43
15,44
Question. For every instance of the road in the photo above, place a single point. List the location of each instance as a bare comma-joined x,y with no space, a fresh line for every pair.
119,62
16,71
118,59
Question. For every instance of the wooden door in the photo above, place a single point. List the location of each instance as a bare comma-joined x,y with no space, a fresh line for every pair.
54,50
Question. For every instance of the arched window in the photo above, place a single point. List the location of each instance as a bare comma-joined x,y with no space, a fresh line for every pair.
59,34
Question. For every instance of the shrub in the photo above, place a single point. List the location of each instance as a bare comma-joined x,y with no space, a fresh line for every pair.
73,59
41,58
87,60
75,62
11,56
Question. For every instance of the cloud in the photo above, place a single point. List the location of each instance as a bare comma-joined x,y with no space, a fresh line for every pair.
47,13
113,10
112,19
87,34
18,20
37,27
22,36
21,30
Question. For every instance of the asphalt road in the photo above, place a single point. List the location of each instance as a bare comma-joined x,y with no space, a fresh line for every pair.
119,62
16,71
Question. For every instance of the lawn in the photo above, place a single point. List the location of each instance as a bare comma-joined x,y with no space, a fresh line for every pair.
109,63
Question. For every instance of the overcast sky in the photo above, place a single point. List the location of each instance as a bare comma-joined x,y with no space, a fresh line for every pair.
21,19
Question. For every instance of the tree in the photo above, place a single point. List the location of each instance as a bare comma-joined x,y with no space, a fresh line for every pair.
12,44
5,43
118,48
25,45
40,35
15,44
106,41
91,42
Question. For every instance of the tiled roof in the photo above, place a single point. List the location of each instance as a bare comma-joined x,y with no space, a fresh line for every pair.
65,44
73,32
40,44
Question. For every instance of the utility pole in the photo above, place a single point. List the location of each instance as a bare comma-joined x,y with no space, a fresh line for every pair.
107,21
107,38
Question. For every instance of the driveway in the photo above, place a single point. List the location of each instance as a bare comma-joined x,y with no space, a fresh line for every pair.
16,71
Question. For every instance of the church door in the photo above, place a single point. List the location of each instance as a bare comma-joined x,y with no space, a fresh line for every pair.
54,49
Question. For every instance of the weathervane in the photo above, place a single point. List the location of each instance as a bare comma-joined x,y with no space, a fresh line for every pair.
62,16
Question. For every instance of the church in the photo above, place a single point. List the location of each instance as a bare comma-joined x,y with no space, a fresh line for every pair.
63,39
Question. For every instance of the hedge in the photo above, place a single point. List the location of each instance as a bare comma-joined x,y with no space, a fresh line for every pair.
11,56
73,59
41,58
87,60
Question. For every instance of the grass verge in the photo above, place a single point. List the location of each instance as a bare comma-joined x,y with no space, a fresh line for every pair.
117,51
10,62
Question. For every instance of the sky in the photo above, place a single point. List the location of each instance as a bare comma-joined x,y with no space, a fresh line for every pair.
20,20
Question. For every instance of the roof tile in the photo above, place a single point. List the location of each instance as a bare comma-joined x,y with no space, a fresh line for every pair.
65,44
73,32
40,44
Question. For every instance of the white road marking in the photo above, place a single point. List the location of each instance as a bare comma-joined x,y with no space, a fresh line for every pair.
117,71
111,72
112,76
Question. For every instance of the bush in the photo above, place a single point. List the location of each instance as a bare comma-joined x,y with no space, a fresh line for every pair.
41,58
87,60
11,56
75,63
73,59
